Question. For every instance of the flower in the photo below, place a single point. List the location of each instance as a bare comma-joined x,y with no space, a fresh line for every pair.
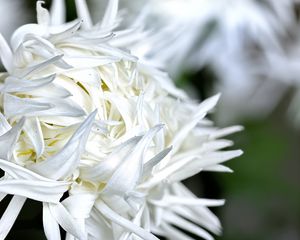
87,120
247,44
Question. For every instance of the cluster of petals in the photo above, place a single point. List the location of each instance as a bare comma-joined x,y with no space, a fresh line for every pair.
251,45
102,139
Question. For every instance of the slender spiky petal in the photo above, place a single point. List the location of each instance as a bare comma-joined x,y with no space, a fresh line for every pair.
87,120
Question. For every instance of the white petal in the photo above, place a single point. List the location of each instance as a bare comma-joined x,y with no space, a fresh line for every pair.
208,104
129,172
52,90
198,164
219,157
20,33
215,145
112,51
13,84
226,131
174,200
45,49
64,162
6,55
33,130
123,107
218,168
18,172
83,13
183,132
66,221
36,190
173,233
137,220
203,109
200,215
66,33
105,168
171,169
60,107
90,61
15,106
21,73
9,139
58,12
188,226
51,227
97,226
110,14
148,166
80,205
164,81
10,215
114,217
4,125
43,16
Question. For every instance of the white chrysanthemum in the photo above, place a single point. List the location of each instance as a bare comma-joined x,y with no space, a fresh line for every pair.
243,42
202,31
81,118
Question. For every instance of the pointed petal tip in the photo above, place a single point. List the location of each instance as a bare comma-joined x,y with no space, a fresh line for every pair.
91,117
223,201
169,149
239,128
239,153
22,121
158,127
215,99
218,96
94,113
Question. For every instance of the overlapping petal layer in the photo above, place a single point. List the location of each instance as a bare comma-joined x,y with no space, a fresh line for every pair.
115,136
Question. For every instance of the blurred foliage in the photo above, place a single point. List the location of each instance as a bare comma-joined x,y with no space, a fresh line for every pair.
199,85
263,194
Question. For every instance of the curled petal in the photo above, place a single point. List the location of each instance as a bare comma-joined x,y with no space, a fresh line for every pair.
9,139
33,130
43,16
64,162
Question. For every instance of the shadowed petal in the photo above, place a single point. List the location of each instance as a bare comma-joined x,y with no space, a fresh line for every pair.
9,139
64,162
